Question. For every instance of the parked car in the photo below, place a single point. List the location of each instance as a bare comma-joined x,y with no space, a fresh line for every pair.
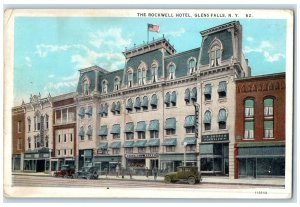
184,173
66,171
88,172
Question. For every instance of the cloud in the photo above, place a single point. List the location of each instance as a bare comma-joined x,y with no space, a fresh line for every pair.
63,84
263,46
42,50
51,76
249,39
28,62
274,57
177,33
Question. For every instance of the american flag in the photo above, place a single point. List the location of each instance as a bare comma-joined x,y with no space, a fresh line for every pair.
153,28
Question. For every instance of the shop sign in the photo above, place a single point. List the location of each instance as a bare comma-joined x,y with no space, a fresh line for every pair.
27,156
147,155
215,138
36,156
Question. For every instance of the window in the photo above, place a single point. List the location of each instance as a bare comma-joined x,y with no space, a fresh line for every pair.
154,70
46,141
222,90
117,84
170,131
145,103
129,136
190,129
81,133
130,78
268,107
172,71
170,126
89,132
207,92
47,121
153,149
86,86
59,138
173,98
29,142
187,96
142,70
129,150
65,137
189,124
19,126
154,134
222,119
249,108
154,101
249,130
167,99
58,152
71,152
113,108
29,124
137,104
141,149
19,144
65,152
207,120
215,55
190,148
192,65
38,123
104,86
116,136
129,105
268,129
71,137
141,135
105,111
103,137
140,76
115,151
170,148
118,108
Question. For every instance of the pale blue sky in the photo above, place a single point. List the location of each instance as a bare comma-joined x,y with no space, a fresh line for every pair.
48,51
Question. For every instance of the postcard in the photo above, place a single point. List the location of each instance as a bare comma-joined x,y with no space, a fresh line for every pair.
148,103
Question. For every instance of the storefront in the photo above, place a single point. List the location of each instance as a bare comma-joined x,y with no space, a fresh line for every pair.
214,154
16,162
37,160
261,160
85,158
107,163
140,162
170,162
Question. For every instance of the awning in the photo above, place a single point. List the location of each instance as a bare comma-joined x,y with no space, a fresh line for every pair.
129,127
89,110
101,110
222,86
187,95
81,112
141,126
207,117
103,130
116,129
173,97
222,115
261,151
145,101
115,145
170,123
129,104
154,125
128,144
102,145
118,106
81,132
153,142
170,142
113,107
207,89
140,143
154,100
189,121
190,140
137,103
167,98
194,94
89,131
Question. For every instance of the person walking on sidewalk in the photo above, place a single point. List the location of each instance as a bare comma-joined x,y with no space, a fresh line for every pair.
147,172
130,172
117,170
154,171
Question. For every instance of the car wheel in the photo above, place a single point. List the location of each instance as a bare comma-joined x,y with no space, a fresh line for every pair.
191,180
168,179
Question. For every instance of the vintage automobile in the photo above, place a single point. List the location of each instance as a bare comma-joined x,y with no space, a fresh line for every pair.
184,173
88,172
66,171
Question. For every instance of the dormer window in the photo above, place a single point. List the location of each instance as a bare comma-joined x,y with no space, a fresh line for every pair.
104,86
172,71
215,56
192,65
117,84
86,86
130,78
142,70
154,70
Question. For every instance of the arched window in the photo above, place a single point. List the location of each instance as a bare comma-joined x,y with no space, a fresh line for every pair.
172,69
207,120
222,119
268,107
142,70
104,86
117,83
130,78
192,65
249,108
86,86
154,101
215,53
154,70
268,118
29,142
29,124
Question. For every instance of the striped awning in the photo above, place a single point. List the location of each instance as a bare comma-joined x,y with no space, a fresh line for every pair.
153,142
170,123
102,145
103,130
128,144
154,125
115,145
140,143
141,126
190,140
129,127
189,121
116,129
137,103
170,142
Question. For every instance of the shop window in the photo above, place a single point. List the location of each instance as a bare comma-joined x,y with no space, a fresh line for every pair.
268,107
172,69
129,136
170,148
153,149
249,130
249,108
115,151
141,149
222,89
190,148
141,135
268,129
116,136
29,142
154,134
129,150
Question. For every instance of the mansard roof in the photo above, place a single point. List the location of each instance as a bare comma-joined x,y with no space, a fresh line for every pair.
110,77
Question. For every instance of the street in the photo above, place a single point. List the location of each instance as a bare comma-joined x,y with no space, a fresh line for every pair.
46,181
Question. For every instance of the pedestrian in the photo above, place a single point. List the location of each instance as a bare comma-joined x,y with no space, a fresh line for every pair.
147,172
106,171
130,172
117,170
154,171
122,171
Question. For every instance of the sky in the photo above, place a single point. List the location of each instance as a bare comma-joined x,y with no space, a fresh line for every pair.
49,51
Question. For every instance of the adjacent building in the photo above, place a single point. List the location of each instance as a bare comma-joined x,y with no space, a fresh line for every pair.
260,131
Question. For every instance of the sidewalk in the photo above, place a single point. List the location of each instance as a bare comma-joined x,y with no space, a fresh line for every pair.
205,179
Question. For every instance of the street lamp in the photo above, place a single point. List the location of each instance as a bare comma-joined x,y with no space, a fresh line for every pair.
184,158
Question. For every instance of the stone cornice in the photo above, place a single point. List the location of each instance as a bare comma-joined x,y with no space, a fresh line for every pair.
228,25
